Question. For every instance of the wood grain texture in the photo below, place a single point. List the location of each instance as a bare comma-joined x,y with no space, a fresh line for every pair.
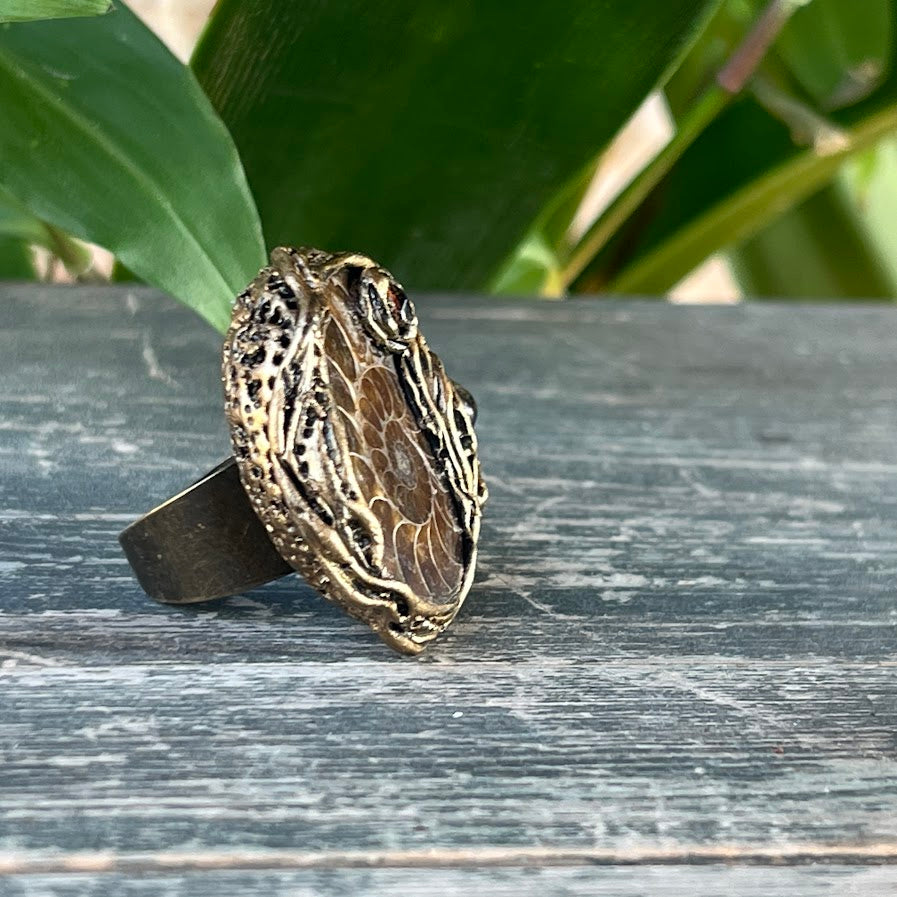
681,638
642,881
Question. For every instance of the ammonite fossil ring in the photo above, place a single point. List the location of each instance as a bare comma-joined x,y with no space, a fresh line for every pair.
355,460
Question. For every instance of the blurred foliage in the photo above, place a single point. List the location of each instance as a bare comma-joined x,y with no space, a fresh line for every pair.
838,51
819,248
456,143
16,261
841,242
760,154
21,233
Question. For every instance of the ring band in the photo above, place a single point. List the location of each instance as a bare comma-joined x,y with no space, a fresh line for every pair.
205,542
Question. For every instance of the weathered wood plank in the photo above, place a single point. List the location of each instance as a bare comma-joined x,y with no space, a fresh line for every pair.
650,881
352,755
683,630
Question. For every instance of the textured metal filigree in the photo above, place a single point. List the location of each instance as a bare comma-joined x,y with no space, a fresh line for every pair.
356,449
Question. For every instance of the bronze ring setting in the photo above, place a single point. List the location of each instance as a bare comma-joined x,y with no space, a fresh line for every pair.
354,458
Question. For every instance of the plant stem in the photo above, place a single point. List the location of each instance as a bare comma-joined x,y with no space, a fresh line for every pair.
730,80
743,63
71,253
708,106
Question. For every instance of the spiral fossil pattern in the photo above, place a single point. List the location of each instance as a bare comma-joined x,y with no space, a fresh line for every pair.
356,449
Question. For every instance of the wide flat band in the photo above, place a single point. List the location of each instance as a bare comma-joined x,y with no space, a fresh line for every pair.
205,542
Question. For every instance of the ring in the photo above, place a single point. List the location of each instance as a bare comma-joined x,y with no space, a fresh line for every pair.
355,458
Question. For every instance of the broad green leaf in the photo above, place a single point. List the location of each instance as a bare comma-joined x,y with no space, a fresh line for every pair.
428,134
838,49
821,249
28,10
742,173
106,136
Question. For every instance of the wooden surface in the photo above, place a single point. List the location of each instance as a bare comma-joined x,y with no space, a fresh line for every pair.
675,674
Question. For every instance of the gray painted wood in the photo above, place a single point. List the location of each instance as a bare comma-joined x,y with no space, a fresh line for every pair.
641,881
682,636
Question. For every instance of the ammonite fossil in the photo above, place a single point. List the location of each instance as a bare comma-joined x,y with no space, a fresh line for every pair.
355,448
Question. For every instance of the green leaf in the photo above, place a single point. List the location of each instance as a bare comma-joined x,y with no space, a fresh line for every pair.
106,136
821,250
28,10
741,174
428,134
838,49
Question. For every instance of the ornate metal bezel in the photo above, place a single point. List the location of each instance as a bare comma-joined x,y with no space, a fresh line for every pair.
299,455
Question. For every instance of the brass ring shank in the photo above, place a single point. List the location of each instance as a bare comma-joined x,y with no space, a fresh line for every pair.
205,542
